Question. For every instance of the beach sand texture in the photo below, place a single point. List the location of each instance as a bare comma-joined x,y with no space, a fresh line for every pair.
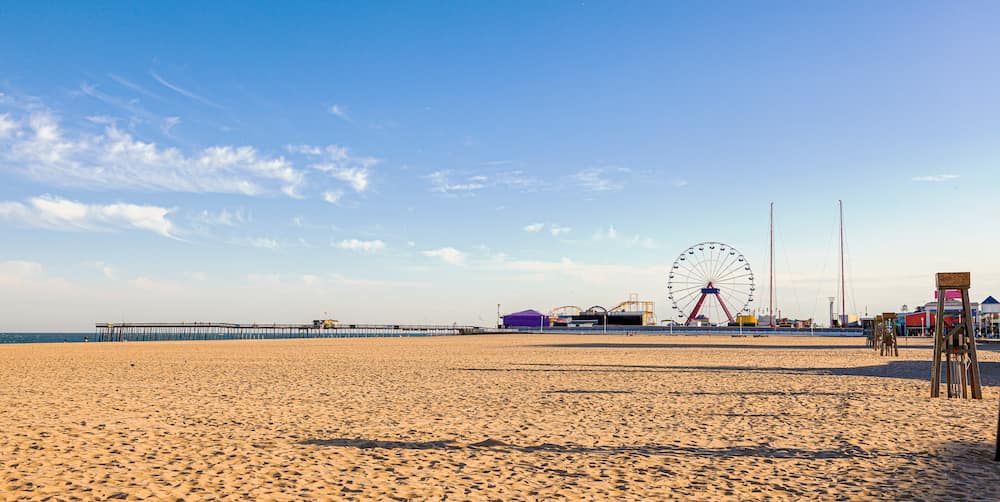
490,417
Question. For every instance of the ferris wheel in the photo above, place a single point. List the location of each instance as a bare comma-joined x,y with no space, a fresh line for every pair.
712,279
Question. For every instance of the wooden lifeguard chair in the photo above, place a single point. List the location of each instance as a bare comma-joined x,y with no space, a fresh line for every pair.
957,344
887,345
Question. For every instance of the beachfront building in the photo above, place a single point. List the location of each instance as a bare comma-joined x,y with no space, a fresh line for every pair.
921,321
989,318
526,319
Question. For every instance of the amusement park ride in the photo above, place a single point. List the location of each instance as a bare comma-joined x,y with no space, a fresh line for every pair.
640,311
712,271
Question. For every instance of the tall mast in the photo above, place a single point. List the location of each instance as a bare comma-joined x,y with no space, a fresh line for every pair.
843,294
770,289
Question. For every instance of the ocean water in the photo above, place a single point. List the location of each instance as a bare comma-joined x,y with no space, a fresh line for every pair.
50,337
80,337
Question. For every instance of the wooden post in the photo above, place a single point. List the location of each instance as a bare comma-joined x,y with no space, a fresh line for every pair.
958,343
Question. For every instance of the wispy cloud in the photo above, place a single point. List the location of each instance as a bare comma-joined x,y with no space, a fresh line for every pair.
168,124
38,147
360,246
356,177
135,87
107,270
441,182
534,227
557,230
339,112
57,213
601,179
936,178
680,183
225,217
7,126
129,105
339,163
184,92
333,197
448,255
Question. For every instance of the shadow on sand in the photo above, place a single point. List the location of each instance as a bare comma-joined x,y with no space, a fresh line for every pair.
954,470
585,391
846,451
912,370
600,345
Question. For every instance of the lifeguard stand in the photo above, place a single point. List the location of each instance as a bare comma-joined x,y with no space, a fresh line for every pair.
887,345
955,344
876,338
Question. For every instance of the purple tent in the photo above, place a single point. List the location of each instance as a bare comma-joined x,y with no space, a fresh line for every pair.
525,319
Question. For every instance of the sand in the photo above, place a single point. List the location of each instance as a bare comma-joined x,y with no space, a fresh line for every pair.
490,417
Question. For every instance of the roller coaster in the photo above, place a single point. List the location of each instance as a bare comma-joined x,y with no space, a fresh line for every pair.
631,311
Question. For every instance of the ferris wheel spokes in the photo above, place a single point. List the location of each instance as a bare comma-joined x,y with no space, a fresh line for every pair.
710,281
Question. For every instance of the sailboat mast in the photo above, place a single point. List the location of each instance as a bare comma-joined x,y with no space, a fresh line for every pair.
770,289
843,294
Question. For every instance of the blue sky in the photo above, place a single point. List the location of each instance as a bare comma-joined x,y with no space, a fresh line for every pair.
422,162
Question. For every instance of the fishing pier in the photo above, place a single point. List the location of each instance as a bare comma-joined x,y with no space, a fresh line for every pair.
141,331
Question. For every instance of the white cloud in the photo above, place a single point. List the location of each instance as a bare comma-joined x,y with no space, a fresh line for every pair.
440,182
63,214
184,92
35,144
936,178
534,227
105,269
7,126
333,197
601,179
226,217
357,177
339,112
449,182
361,246
680,183
557,230
447,254
608,234
309,149
113,159
339,163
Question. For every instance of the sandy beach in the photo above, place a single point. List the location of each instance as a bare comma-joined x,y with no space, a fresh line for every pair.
490,417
